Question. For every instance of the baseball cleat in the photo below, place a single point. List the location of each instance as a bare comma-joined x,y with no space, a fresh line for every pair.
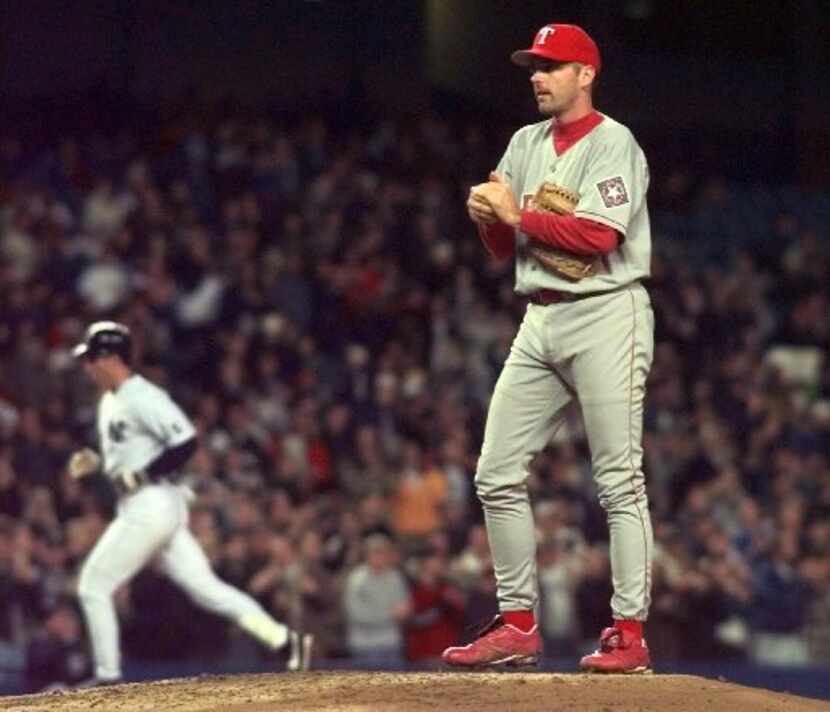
301,647
619,652
498,645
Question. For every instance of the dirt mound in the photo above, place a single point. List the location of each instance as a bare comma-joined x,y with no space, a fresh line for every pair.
402,692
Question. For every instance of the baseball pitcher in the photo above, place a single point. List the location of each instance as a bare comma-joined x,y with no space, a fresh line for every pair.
145,439
568,200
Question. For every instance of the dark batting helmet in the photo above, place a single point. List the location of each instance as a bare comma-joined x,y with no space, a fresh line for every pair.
105,338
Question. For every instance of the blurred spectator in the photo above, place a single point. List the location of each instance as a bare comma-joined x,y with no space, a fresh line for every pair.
816,571
482,604
104,284
592,594
418,496
11,502
559,565
317,603
376,601
474,560
58,652
781,606
437,609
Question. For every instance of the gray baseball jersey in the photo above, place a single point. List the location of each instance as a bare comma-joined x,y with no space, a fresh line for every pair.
608,170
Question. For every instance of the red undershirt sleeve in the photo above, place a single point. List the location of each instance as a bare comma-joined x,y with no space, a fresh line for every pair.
568,232
499,239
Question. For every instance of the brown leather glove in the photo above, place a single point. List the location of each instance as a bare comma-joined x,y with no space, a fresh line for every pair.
556,199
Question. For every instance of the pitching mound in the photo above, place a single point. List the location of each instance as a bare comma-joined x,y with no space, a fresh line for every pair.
402,692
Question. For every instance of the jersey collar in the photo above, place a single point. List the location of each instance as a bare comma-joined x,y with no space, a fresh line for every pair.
121,386
566,135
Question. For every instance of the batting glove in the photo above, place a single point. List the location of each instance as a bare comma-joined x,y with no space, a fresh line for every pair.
84,462
129,480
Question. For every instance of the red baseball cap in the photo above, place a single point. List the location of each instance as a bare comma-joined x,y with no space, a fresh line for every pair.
561,43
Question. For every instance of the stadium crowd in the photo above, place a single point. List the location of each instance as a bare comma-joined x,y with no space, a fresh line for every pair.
319,303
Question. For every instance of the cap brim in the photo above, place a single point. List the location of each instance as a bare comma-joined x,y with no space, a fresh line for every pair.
524,57
80,350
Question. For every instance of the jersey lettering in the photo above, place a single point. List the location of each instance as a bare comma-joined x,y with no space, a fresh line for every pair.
118,430
544,33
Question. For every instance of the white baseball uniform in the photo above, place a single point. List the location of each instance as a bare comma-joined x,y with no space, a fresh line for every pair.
137,423
595,348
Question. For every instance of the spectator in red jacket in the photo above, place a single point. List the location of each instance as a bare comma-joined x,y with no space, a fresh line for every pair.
437,609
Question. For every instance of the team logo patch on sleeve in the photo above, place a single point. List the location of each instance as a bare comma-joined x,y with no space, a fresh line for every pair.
613,192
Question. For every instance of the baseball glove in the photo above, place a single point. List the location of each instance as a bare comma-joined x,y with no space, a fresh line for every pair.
556,199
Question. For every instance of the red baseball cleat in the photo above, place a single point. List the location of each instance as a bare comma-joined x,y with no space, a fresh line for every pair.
618,652
498,644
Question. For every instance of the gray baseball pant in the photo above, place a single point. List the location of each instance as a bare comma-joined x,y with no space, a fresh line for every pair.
598,351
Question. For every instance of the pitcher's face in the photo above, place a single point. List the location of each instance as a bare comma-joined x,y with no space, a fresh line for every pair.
559,86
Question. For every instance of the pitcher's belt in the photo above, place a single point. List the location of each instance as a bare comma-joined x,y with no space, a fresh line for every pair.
554,296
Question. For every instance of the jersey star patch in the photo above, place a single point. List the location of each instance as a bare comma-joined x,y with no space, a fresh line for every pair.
613,192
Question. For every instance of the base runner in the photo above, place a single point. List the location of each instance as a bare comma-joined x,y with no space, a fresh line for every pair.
145,439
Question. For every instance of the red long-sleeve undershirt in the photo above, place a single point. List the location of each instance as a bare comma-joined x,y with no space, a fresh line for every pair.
567,232
498,239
